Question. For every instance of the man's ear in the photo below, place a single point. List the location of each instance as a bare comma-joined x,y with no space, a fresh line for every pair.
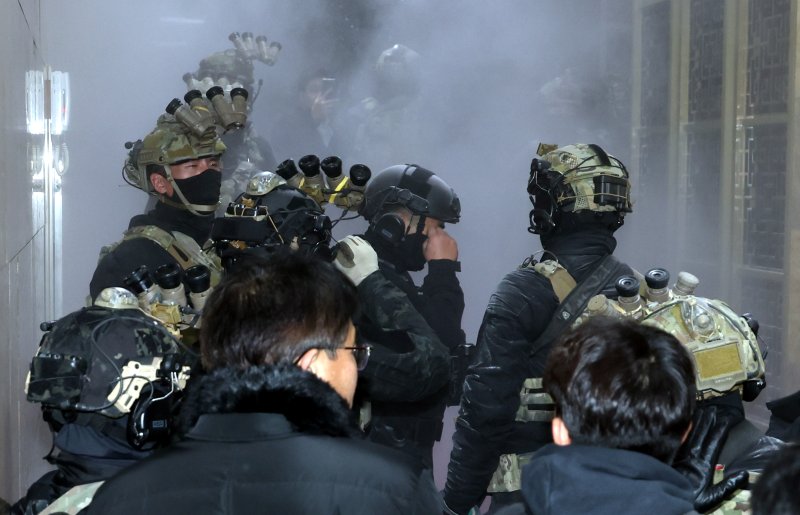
306,361
160,184
560,432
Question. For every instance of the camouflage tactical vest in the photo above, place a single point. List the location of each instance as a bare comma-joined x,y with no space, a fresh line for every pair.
535,405
183,248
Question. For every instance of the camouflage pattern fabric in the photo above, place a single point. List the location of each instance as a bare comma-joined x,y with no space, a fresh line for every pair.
579,165
183,248
79,361
406,374
508,475
72,502
739,504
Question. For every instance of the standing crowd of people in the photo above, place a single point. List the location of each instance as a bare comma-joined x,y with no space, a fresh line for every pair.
235,359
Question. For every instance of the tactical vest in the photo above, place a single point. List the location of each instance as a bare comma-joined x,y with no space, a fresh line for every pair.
183,248
536,406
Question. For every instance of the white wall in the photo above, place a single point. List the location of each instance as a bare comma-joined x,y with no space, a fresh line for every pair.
23,436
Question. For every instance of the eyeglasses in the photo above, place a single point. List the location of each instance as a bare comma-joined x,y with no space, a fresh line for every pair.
361,353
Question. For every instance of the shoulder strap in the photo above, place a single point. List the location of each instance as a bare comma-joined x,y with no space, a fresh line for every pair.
577,299
153,233
181,247
560,279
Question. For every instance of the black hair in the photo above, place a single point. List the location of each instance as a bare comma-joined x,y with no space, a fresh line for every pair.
272,309
624,385
775,492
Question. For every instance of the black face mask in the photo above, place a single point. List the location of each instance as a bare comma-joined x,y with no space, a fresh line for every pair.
202,189
410,251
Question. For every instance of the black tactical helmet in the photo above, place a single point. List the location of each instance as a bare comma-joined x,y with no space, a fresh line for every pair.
81,357
417,189
269,214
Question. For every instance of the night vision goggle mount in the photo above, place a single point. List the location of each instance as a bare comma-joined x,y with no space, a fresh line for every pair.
331,186
723,344
271,213
234,67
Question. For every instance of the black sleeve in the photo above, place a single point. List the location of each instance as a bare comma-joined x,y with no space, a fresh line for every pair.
445,302
408,360
517,314
124,259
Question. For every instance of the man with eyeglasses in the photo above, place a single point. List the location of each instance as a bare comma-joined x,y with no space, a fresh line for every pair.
267,428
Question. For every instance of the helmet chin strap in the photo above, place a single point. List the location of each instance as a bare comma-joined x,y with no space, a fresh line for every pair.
195,209
420,225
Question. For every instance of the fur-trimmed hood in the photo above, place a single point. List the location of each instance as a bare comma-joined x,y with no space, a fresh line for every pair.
308,403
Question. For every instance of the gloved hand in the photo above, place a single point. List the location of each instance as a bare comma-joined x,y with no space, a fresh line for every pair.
355,258
697,457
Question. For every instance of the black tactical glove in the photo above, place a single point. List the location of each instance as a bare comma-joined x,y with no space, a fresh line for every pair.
697,457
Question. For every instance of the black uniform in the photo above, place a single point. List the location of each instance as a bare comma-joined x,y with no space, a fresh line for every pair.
517,314
130,254
407,377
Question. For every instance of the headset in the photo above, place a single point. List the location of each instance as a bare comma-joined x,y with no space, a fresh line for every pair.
150,418
71,371
390,226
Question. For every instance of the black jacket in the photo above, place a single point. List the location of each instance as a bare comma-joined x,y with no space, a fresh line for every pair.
517,313
131,254
578,479
268,440
81,454
413,330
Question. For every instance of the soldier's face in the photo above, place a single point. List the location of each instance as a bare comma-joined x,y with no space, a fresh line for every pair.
195,167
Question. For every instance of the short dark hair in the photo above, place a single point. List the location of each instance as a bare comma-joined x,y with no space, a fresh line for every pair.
623,385
272,309
775,492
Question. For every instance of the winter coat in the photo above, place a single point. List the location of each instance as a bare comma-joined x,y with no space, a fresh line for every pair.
578,479
517,314
272,439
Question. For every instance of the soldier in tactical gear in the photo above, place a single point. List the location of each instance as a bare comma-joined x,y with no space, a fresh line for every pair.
310,123
180,165
391,114
108,380
414,330
580,196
